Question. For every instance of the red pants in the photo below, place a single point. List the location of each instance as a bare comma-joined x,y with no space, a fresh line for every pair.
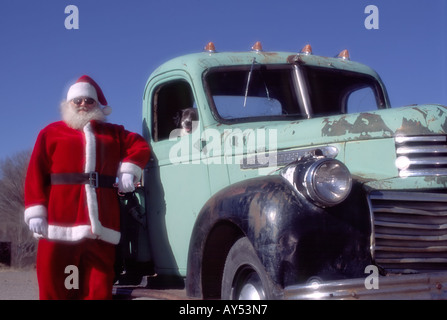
80,270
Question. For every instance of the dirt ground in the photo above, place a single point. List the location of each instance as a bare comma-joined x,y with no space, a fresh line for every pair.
18,284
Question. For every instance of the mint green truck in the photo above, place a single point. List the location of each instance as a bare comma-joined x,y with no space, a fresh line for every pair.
294,180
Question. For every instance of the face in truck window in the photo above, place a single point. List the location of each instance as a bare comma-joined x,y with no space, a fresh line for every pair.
272,92
173,110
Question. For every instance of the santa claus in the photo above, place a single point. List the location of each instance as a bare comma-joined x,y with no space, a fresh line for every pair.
71,199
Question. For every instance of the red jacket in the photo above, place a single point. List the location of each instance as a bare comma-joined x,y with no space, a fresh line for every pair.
76,211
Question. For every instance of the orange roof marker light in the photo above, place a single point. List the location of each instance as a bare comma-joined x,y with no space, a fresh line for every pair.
307,50
210,47
257,47
344,55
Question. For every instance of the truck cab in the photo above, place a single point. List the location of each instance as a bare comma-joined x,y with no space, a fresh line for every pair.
294,179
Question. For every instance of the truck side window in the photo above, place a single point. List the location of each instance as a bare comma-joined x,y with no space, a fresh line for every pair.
168,102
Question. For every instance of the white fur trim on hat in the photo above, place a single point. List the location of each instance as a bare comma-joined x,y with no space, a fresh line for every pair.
82,89
107,110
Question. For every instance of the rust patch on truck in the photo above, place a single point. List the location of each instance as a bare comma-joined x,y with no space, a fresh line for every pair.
369,122
336,127
364,124
443,113
431,119
413,127
257,220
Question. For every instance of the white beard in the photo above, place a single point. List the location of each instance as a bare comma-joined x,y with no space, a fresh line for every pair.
77,120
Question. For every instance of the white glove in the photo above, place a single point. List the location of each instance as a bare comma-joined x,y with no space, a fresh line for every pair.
38,225
125,183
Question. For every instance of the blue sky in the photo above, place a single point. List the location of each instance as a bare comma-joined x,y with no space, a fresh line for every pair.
119,43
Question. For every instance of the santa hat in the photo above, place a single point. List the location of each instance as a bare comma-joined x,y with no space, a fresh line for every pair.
87,87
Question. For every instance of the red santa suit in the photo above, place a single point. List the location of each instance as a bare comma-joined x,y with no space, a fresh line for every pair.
70,183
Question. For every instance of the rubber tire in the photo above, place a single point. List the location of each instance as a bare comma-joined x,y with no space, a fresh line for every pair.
243,262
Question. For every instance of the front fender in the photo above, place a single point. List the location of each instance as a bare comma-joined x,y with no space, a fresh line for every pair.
293,238
258,208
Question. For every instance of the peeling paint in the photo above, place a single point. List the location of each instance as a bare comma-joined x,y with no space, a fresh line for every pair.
369,122
256,219
437,180
333,128
364,124
418,120
413,127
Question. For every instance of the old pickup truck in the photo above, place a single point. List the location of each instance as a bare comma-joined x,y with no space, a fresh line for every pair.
295,180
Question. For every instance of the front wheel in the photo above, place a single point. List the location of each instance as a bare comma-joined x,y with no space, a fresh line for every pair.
244,276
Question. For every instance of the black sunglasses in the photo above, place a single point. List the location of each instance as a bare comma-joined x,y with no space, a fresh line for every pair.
78,101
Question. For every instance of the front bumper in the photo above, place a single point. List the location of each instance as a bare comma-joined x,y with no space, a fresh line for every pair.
427,286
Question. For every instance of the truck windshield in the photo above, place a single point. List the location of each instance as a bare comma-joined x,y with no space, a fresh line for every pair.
271,92
334,91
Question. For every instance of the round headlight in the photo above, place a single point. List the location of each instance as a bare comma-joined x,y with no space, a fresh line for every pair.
328,182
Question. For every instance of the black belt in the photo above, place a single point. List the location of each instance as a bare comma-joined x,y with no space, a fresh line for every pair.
92,178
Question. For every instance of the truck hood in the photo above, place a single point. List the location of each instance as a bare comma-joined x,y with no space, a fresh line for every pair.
385,123
363,141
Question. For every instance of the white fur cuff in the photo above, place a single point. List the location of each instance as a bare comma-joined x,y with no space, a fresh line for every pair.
37,211
127,167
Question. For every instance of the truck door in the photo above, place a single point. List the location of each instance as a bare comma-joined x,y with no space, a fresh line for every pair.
176,180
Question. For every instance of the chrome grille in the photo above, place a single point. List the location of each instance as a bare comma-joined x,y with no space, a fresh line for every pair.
421,155
409,230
